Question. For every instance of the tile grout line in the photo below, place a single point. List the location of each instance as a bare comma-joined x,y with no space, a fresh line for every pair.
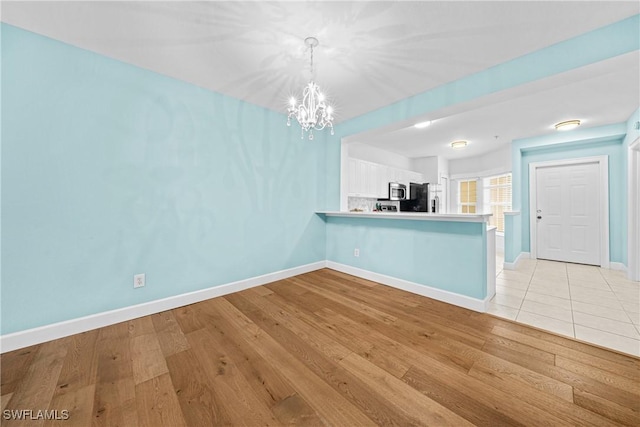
526,291
621,305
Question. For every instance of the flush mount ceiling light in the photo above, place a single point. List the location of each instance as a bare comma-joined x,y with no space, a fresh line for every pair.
422,125
458,144
312,113
568,125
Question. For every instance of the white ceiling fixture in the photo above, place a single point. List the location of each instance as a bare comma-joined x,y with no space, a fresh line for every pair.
422,125
567,125
458,145
312,113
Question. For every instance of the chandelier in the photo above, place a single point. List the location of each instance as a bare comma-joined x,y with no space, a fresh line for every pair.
312,113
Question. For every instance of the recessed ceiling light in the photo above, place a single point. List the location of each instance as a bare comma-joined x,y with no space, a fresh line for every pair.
422,125
458,144
568,125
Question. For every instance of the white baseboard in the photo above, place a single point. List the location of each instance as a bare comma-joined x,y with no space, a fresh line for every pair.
513,265
617,266
16,340
474,304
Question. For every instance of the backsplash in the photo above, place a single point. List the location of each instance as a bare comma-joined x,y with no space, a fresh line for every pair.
368,204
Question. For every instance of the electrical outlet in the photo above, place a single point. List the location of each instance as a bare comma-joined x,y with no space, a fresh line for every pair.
356,252
138,280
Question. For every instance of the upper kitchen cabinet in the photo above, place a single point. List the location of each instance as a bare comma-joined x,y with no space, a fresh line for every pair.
371,180
363,179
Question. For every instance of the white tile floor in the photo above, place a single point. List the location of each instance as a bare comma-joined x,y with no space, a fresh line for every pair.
579,301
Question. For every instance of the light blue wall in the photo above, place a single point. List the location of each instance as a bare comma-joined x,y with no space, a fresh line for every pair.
604,140
512,237
425,252
110,170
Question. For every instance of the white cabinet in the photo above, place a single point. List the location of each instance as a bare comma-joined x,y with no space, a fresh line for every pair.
363,178
371,180
416,177
382,179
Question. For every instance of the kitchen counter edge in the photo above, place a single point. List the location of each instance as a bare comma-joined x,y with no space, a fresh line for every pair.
411,216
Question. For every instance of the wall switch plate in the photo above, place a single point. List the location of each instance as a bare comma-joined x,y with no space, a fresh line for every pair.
138,280
356,252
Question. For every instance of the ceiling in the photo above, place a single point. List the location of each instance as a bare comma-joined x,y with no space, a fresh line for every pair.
371,54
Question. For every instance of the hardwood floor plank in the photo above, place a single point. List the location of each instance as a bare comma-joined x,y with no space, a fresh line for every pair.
287,314
147,357
4,400
351,303
516,352
115,402
36,389
295,411
169,333
114,356
490,397
262,291
267,383
157,404
413,337
622,414
80,367
191,317
600,375
382,352
439,390
406,398
423,324
14,367
199,404
140,326
579,381
503,370
325,367
519,392
324,399
582,352
79,404
228,384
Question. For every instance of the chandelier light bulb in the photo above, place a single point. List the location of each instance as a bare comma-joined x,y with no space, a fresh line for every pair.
312,113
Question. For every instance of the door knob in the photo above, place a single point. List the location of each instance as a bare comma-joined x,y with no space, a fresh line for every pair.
539,217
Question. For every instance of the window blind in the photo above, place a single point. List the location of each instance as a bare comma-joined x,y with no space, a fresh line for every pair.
467,196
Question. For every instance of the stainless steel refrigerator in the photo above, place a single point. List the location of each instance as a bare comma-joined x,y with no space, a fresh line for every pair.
419,200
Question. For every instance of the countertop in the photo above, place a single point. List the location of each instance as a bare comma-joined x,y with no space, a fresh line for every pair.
419,216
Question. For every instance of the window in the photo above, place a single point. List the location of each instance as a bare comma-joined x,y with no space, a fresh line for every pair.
467,196
497,197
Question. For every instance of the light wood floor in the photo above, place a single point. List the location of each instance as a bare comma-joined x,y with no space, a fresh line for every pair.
322,348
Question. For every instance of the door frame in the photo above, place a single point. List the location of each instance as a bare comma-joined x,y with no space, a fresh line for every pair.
633,202
603,165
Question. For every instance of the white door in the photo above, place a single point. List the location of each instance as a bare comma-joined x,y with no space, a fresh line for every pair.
568,221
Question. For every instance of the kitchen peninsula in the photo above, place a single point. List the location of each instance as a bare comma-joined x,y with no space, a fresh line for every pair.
448,257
